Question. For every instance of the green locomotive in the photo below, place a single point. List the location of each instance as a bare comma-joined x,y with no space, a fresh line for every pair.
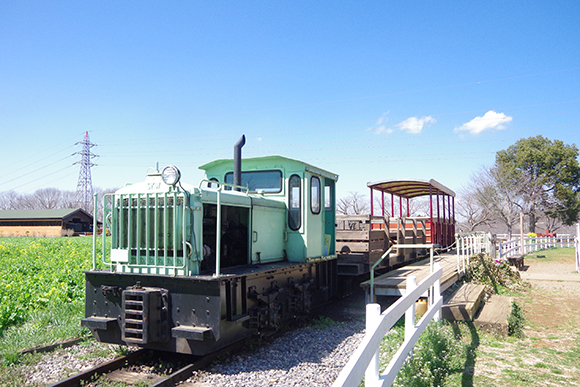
192,269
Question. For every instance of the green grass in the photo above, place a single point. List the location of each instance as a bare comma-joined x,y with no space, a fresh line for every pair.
42,289
47,326
323,322
437,356
560,255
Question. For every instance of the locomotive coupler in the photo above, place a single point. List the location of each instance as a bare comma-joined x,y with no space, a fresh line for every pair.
115,291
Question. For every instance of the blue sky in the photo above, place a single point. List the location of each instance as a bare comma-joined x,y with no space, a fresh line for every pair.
369,90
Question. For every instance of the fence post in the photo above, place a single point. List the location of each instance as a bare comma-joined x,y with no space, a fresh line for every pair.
437,293
463,257
469,245
373,315
522,243
577,247
410,313
457,247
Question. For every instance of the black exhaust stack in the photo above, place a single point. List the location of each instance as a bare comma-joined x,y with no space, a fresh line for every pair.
238,161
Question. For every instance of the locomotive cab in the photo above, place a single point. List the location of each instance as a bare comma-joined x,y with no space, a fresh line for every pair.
293,217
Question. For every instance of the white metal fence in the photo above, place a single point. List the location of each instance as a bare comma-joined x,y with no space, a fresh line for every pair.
577,246
530,244
366,357
471,243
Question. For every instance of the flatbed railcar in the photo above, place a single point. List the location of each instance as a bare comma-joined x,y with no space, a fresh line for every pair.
363,239
192,269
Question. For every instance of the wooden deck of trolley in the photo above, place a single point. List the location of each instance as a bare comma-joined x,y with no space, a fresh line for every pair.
394,282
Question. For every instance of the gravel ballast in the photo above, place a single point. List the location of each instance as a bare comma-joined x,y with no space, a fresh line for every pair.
309,356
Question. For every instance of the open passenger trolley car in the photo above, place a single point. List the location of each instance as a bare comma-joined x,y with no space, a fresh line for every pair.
194,269
362,239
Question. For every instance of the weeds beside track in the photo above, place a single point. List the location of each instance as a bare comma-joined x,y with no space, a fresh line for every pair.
42,290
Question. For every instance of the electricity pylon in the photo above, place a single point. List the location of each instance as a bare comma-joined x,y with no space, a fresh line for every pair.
85,184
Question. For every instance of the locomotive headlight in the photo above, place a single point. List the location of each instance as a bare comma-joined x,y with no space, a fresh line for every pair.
171,175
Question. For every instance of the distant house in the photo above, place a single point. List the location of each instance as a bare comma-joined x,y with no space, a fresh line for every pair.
46,223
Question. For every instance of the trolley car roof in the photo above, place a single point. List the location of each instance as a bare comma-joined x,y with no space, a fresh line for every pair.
409,189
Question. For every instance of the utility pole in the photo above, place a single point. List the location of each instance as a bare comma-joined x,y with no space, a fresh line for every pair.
85,184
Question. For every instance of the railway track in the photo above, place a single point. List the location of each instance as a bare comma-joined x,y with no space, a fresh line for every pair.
126,369
153,367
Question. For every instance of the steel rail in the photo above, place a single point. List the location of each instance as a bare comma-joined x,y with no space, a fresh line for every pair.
170,381
104,368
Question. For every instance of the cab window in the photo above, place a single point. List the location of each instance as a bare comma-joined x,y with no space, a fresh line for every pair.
328,204
267,181
294,202
315,199
213,183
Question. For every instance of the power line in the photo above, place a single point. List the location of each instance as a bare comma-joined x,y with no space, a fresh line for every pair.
36,170
17,164
35,181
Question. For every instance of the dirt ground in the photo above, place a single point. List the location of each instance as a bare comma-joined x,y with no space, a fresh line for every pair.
554,300
549,355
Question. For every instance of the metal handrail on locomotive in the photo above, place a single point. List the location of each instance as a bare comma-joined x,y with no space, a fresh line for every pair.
192,269
363,239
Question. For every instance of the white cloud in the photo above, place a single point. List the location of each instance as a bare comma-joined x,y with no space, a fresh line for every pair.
383,129
415,125
380,126
412,125
383,118
490,120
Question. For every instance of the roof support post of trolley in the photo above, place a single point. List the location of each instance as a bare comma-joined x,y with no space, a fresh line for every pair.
440,230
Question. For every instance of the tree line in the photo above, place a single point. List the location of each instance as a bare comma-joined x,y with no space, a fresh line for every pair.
45,199
536,177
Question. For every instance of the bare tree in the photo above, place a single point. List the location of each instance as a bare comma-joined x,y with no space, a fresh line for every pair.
471,214
25,202
417,206
490,199
46,198
100,194
550,223
9,200
69,199
354,204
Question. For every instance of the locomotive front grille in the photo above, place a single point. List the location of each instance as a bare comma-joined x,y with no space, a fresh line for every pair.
144,315
151,228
